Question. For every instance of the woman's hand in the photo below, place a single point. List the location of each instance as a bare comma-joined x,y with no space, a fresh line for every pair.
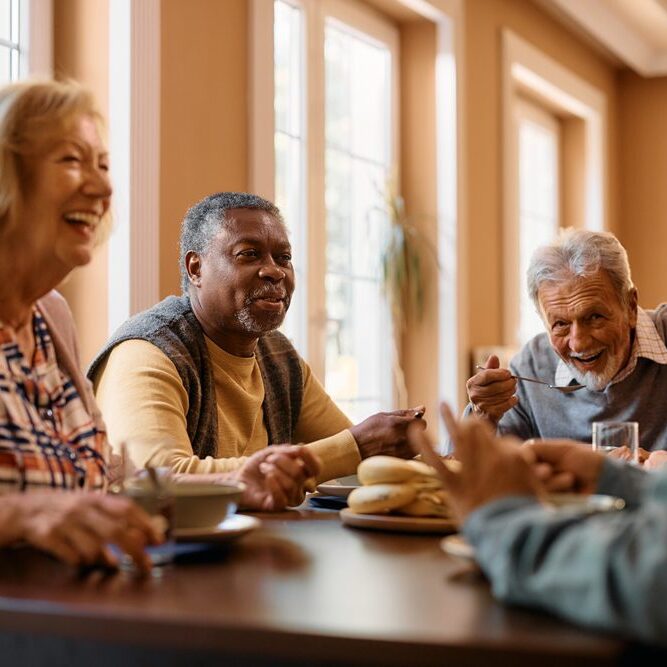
277,477
77,527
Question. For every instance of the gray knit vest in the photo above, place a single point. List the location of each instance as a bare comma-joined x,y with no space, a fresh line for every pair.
173,328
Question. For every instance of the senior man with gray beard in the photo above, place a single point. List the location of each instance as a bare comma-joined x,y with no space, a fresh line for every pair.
202,381
596,335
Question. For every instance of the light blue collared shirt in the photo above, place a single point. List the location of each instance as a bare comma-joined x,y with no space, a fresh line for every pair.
606,571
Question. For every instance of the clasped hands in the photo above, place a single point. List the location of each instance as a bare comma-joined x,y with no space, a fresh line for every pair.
497,467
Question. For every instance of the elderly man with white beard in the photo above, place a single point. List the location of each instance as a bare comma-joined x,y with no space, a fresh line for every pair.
596,335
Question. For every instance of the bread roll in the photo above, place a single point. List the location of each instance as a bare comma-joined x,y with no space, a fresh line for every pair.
380,498
428,503
391,484
392,470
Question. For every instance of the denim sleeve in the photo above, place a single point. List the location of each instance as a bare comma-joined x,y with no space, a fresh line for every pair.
623,480
607,571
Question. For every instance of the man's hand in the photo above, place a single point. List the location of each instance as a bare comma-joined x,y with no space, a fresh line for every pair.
77,527
565,465
492,391
656,460
491,467
386,433
625,454
277,477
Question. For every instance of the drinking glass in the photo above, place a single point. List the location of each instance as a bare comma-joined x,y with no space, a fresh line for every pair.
612,437
155,496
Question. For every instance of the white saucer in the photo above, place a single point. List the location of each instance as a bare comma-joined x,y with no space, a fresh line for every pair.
397,523
230,529
341,487
456,545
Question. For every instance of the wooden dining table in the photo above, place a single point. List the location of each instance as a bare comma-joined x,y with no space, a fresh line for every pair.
303,589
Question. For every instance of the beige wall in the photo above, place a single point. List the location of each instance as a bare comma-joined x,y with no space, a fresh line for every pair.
643,182
419,188
80,51
204,118
484,22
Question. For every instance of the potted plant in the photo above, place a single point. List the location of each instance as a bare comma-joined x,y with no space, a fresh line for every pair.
405,251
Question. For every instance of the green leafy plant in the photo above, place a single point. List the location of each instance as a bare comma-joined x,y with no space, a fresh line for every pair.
404,254
405,251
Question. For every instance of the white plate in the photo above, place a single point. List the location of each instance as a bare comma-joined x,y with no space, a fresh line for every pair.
397,523
341,487
456,545
230,529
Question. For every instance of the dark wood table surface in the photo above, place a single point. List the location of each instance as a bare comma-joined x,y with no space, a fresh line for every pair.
302,590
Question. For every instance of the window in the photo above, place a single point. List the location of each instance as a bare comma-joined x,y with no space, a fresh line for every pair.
323,143
358,142
539,139
289,145
333,198
12,20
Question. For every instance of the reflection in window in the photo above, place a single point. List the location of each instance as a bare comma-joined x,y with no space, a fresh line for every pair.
538,204
358,154
10,47
289,141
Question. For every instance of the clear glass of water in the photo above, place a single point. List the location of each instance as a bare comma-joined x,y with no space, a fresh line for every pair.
618,439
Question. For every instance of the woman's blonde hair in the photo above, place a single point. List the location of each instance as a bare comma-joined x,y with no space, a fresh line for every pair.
33,116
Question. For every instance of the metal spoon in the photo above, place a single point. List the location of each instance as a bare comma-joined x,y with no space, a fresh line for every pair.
158,486
568,389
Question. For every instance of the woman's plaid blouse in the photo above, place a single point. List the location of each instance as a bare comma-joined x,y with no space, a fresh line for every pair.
47,439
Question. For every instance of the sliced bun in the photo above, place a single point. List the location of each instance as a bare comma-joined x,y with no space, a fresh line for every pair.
380,498
391,470
428,503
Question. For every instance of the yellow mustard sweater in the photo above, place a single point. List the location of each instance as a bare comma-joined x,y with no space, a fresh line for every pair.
145,404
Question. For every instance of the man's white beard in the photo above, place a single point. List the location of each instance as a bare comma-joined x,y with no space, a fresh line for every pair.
595,381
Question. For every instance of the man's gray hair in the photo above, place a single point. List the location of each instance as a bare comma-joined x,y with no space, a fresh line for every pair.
205,219
580,253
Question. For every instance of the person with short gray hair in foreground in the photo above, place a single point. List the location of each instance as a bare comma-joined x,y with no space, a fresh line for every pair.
596,335
202,381
604,571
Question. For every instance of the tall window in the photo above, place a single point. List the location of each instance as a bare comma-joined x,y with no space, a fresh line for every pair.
539,140
289,143
12,18
358,141
335,126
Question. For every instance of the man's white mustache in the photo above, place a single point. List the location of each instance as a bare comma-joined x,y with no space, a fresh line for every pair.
584,355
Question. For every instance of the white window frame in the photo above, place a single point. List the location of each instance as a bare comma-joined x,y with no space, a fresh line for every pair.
531,112
35,39
357,19
447,15
524,68
262,127
298,228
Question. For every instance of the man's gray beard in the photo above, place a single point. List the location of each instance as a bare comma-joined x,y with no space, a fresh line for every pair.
594,381
250,324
